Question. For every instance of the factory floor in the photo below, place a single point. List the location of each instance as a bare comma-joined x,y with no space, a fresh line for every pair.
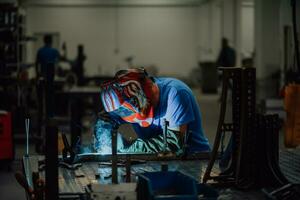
11,190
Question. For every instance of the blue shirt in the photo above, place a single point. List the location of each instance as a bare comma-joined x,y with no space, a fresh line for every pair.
178,106
45,56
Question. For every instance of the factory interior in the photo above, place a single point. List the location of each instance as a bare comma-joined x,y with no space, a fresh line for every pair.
149,99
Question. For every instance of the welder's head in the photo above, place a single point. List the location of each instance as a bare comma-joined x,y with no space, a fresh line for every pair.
48,39
129,96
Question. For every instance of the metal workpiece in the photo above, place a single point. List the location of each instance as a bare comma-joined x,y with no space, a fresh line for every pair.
165,132
93,157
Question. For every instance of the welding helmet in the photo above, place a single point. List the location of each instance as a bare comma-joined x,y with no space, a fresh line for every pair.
128,96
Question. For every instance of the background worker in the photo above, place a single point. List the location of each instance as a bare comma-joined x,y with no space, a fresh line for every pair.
46,60
227,55
145,102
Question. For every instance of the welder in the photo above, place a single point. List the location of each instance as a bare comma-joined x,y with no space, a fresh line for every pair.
147,102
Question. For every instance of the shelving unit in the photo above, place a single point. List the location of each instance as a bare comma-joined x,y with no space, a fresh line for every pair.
13,83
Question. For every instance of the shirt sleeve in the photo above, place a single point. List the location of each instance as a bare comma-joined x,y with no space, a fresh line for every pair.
179,110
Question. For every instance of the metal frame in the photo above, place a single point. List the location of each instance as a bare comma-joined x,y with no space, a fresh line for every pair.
234,74
254,161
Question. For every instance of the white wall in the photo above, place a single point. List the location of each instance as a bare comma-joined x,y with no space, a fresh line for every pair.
164,36
227,17
267,41
174,38
247,30
237,18
208,31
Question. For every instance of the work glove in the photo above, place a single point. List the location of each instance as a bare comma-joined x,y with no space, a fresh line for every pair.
104,116
102,134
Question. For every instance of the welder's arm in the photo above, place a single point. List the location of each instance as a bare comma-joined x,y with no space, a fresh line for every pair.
175,142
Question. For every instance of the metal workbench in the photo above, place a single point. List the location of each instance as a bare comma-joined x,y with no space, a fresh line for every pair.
73,183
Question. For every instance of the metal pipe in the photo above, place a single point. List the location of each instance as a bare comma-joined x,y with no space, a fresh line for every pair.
114,168
51,163
27,125
128,169
166,124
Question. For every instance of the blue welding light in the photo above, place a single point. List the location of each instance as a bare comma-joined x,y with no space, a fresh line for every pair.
102,140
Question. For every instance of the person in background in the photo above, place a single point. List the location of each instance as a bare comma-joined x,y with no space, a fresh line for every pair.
227,55
147,102
46,60
78,65
46,55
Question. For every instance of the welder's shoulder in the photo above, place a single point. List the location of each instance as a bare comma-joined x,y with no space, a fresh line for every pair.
173,86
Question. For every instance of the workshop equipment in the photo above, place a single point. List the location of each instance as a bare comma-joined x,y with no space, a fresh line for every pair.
166,185
254,149
67,152
27,128
6,142
238,102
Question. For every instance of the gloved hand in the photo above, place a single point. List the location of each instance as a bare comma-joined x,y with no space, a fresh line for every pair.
154,144
104,116
102,134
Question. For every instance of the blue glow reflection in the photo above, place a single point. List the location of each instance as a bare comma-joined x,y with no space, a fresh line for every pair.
102,140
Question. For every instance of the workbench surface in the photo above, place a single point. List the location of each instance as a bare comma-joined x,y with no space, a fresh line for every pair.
74,182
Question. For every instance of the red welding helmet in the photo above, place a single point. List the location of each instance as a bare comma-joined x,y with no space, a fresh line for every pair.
128,95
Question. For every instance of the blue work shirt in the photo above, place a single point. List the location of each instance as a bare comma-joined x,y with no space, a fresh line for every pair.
46,55
178,106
